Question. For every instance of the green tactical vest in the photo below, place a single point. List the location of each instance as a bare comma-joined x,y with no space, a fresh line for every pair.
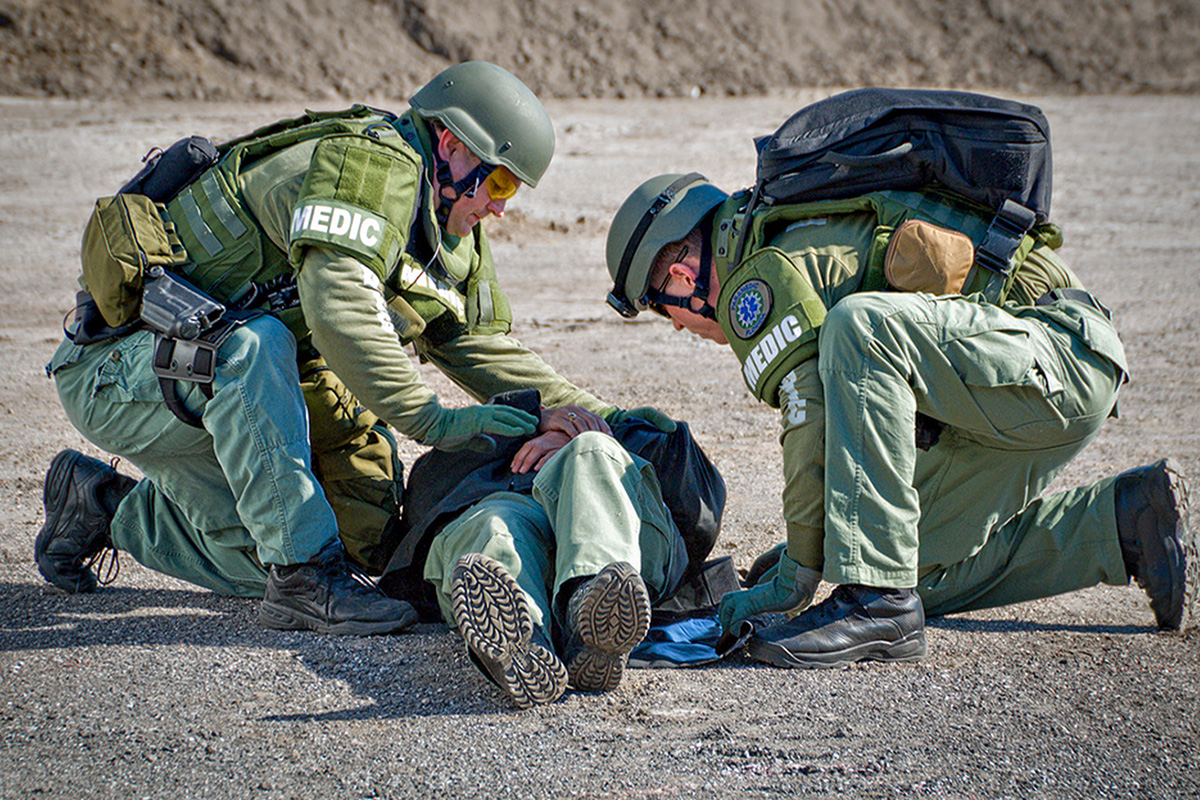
769,310
230,254
227,249
458,292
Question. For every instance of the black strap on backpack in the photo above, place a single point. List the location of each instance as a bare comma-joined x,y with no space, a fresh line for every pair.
989,150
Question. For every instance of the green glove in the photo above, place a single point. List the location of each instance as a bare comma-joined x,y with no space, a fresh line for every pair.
791,589
465,428
652,415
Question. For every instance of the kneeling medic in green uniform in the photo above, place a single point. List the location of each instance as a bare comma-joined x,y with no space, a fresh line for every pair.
339,238
921,427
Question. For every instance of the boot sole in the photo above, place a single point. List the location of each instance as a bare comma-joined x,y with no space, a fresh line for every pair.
54,495
1188,551
493,616
908,648
611,619
281,618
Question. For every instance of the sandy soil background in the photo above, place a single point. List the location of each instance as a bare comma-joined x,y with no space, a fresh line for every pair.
300,49
152,688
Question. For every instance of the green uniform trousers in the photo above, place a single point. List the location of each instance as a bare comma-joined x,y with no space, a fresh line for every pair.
593,504
221,502
1021,391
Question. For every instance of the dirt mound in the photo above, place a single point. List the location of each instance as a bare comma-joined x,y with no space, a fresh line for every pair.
289,49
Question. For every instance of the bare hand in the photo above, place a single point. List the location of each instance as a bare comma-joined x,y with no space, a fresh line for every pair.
534,454
572,420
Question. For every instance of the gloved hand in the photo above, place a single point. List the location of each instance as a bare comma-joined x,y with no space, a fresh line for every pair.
792,588
467,428
652,415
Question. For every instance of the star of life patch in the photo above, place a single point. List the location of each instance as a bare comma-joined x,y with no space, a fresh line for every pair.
749,308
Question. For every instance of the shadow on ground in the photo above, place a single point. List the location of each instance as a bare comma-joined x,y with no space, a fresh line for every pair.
1014,626
422,672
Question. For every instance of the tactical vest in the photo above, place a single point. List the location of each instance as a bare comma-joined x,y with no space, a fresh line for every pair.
768,308
346,205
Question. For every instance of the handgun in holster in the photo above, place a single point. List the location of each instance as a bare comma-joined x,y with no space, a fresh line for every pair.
189,326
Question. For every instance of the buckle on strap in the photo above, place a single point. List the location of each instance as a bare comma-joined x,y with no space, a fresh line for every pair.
1004,236
184,359
1076,296
187,360
196,359
192,360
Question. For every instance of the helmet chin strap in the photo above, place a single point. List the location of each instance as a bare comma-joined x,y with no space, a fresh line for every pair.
445,182
701,294
465,187
706,309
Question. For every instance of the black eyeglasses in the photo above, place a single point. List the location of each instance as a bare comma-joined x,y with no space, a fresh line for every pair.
661,291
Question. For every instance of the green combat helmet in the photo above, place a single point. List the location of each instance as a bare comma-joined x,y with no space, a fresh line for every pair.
662,210
492,113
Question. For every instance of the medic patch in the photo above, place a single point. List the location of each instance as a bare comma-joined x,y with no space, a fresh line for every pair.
338,223
749,308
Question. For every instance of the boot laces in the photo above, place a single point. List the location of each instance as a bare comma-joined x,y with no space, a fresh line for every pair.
106,561
107,565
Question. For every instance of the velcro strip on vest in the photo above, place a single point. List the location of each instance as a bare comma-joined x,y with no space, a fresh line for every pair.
220,206
486,312
195,221
206,214
359,197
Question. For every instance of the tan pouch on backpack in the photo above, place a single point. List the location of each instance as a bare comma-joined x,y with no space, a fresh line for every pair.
923,257
125,236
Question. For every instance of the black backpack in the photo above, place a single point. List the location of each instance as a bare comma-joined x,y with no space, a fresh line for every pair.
992,151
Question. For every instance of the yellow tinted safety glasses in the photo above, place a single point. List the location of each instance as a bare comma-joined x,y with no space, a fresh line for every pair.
500,184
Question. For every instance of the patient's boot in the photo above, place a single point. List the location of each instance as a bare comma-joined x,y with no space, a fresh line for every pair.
607,616
494,618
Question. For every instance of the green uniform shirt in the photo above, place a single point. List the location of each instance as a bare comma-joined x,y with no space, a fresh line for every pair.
449,305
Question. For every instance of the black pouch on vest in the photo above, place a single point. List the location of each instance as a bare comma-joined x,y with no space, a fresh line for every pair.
168,171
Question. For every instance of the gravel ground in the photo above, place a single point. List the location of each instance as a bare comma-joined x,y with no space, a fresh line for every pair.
152,688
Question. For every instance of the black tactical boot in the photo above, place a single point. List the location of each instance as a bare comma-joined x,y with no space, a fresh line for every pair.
607,616
325,595
81,494
855,623
493,616
1160,552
